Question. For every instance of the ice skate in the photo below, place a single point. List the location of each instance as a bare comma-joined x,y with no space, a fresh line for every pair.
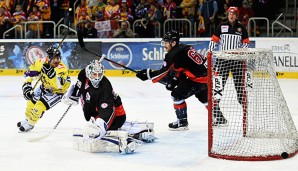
26,127
19,124
219,120
179,125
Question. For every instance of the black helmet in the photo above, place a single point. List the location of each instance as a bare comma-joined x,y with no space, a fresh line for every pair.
56,52
52,52
171,36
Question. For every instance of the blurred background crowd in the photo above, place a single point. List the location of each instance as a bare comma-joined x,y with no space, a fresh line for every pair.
125,18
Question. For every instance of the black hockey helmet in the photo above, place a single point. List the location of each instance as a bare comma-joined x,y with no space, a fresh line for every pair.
171,36
50,51
53,52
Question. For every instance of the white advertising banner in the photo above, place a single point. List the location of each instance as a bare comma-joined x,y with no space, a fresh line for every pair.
285,52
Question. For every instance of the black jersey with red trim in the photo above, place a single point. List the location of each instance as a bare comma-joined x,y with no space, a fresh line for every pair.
229,36
96,102
182,59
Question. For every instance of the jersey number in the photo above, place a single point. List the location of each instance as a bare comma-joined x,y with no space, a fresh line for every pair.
196,57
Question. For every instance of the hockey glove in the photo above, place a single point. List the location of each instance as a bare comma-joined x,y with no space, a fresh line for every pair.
95,129
172,84
143,74
48,70
27,91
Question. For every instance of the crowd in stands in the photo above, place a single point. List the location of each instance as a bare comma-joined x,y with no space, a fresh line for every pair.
104,18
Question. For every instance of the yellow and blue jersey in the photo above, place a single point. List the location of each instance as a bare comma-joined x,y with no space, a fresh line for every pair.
58,84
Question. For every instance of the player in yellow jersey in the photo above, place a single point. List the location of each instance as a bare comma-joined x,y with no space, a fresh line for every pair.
54,83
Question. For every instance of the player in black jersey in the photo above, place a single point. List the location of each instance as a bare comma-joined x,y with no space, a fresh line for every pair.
99,101
184,73
230,35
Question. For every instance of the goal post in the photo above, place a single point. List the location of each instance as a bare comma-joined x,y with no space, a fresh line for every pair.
243,88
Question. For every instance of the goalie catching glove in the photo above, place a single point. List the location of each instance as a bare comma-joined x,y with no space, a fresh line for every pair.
27,91
95,129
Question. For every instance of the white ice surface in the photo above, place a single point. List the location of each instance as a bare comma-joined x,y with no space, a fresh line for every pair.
143,101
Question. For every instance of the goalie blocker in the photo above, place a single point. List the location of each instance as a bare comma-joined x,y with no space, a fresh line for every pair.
125,140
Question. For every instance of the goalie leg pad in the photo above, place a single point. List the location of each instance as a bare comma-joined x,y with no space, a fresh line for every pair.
96,145
113,141
143,131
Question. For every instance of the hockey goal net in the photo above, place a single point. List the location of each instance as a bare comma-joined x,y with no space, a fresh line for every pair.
243,89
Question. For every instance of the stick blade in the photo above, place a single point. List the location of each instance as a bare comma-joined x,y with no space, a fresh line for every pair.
34,139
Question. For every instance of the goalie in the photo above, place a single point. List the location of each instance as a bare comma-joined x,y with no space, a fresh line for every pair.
103,108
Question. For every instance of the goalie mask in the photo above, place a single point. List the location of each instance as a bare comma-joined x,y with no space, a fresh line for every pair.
94,72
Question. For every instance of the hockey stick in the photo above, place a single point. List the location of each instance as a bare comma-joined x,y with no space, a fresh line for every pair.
67,31
82,44
49,133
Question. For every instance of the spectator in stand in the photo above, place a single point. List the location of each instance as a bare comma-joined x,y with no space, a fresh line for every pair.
55,10
208,11
153,19
179,9
188,12
169,10
64,6
5,4
23,4
89,31
4,21
44,7
112,13
18,17
45,10
222,14
141,9
125,12
124,31
98,11
35,30
245,12
84,18
82,7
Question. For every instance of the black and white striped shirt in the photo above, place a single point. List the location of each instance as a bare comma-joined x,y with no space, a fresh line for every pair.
229,37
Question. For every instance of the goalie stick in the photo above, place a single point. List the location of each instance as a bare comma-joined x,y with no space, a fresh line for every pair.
82,44
50,132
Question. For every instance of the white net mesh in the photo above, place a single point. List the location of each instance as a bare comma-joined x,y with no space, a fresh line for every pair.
246,93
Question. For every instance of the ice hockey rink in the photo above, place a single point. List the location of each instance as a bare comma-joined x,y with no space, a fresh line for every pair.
143,101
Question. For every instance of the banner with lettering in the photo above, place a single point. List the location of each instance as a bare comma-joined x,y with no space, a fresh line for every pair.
285,53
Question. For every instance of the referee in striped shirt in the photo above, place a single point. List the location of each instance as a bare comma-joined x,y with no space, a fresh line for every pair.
230,35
